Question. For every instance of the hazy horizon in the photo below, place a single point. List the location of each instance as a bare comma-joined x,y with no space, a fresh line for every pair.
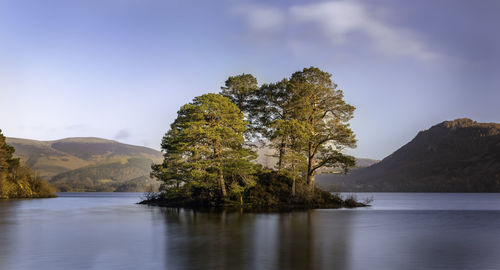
120,70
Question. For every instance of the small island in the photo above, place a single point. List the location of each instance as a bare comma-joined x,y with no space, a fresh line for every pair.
18,181
209,151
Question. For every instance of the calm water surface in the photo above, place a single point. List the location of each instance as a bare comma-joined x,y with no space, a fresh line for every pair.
109,231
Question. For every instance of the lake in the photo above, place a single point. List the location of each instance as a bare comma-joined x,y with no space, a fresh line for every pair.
110,231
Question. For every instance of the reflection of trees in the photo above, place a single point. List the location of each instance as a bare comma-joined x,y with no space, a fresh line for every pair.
225,240
208,240
6,242
333,238
314,240
295,243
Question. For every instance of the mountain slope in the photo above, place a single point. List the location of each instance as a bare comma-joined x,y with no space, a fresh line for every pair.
43,158
106,177
453,156
268,157
94,164
88,164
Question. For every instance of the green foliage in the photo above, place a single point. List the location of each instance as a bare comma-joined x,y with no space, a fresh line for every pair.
304,118
18,181
240,89
203,150
273,190
272,103
320,107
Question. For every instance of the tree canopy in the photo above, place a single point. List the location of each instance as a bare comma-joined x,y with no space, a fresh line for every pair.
319,107
208,149
239,89
204,149
306,120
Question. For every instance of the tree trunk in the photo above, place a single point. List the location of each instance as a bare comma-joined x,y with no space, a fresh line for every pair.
310,177
221,171
281,154
310,170
293,179
222,183
310,181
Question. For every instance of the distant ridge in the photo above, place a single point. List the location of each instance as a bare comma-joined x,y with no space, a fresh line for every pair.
453,156
268,158
89,163
65,144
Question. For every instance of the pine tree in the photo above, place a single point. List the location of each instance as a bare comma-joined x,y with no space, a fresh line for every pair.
271,110
320,107
204,149
241,90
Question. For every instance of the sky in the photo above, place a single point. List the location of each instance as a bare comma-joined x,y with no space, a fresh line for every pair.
120,69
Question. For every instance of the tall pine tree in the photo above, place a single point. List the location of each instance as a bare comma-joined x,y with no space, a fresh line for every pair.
322,110
204,149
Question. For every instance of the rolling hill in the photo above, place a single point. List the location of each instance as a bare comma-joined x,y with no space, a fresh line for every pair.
89,164
95,164
453,156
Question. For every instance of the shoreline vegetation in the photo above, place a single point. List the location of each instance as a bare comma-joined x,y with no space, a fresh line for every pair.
270,193
18,181
209,151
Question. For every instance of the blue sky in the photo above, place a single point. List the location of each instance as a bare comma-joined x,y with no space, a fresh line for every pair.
120,69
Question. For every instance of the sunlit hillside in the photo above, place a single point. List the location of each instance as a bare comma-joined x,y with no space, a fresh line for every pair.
89,164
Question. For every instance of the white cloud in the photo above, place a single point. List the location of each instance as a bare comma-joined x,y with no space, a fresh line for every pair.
260,18
337,21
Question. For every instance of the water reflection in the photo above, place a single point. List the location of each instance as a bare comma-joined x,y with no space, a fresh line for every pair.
79,233
332,239
5,233
109,231
427,240
232,240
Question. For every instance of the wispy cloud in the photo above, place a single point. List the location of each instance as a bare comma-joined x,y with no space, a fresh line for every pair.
261,18
337,22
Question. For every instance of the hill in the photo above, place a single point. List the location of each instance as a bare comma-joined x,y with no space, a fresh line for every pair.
453,156
268,158
95,164
18,181
89,164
